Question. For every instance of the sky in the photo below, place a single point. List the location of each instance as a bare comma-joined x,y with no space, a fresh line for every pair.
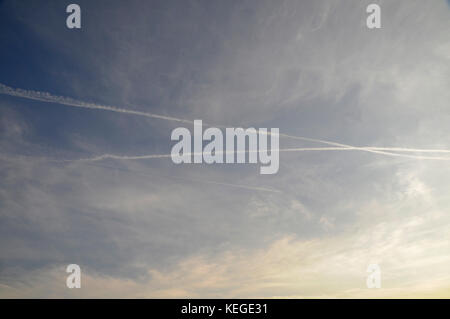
149,228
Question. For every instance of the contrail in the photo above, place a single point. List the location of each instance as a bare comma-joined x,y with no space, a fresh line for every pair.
155,156
105,156
152,156
365,149
263,189
48,97
415,150
249,187
297,149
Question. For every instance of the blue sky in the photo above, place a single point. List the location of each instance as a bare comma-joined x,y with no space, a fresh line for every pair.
150,228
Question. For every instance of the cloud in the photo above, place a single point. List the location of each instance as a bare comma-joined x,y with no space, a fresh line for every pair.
148,228
331,267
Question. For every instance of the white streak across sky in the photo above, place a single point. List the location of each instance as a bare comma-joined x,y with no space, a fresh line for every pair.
48,97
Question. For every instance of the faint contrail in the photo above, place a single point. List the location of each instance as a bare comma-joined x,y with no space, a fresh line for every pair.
297,149
105,156
47,97
256,188
249,187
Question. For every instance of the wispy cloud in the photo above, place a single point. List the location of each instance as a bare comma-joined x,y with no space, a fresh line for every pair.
48,97
364,139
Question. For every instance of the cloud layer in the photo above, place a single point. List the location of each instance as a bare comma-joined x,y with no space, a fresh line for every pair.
363,116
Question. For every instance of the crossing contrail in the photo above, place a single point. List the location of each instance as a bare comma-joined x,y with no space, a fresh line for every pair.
378,150
48,97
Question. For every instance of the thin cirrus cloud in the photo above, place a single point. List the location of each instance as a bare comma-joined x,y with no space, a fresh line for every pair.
98,188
